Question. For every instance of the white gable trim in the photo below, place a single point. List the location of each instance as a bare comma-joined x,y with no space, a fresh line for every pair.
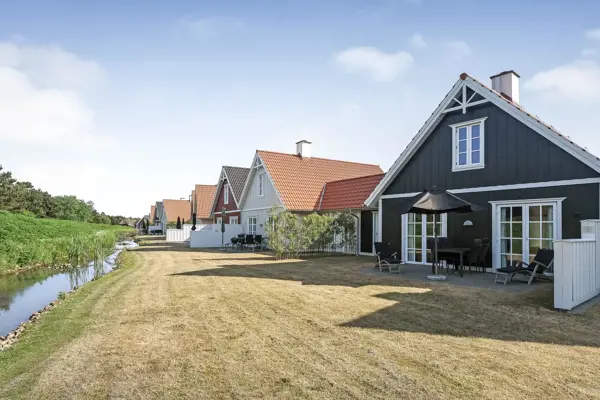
438,114
230,189
222,175
249,179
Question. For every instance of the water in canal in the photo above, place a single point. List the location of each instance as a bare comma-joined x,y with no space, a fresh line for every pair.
23,294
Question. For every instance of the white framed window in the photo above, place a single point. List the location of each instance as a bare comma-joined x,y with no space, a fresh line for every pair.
219,220
251,225
468,140
233,220
226,194
261,185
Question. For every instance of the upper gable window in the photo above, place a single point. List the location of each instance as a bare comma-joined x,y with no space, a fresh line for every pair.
261,185
226,194
468,145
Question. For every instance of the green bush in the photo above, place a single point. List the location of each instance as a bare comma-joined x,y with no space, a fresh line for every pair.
290,234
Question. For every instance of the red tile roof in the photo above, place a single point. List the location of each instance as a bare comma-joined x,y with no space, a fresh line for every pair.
300,181
348,193
151,218
177,208
204,195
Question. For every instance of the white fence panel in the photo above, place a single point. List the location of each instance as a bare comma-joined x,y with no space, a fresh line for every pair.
183,234
576,272
210,235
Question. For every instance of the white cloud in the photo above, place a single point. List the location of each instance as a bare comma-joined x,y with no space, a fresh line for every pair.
210,27
457,49
42,96
579,80
378,65
418,41
588,52
51,67
593,34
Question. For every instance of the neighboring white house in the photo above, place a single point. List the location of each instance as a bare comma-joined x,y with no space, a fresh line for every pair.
291,181
258,197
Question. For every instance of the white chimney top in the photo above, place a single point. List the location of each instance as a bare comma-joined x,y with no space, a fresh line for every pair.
303,148
507,83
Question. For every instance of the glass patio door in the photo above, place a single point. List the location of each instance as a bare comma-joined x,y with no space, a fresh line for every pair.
525,228
419,228
511,234
541,228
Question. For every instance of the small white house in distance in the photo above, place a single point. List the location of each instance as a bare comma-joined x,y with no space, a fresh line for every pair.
291,181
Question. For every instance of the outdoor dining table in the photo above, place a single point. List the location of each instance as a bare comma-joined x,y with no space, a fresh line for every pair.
460,251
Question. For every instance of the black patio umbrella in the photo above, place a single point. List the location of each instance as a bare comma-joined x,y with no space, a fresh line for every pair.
437,201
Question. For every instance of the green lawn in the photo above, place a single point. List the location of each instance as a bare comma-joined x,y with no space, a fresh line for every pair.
191,324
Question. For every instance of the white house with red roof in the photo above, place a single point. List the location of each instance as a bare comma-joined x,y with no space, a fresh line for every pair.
294,182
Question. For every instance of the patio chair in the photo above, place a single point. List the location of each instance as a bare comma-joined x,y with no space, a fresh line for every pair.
249,241
477,255
444,260
544,258
258,242
386,259
473,258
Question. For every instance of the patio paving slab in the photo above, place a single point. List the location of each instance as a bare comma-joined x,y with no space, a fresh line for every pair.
477,280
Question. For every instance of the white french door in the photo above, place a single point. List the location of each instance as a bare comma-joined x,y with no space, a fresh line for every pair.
520,228
416,229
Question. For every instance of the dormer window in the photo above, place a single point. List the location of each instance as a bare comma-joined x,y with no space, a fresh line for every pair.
226,194
468,145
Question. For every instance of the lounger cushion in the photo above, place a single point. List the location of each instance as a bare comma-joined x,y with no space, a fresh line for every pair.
392,260
509,270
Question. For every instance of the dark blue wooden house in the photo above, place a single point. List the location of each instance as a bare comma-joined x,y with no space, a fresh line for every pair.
536,184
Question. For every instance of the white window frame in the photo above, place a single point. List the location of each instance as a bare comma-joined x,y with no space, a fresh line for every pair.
469,165
250,231
261,185
226,193
232,219
219,220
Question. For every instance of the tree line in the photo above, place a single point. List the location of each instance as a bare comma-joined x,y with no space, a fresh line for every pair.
22,197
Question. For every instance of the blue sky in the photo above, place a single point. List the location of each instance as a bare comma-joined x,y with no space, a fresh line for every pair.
127,103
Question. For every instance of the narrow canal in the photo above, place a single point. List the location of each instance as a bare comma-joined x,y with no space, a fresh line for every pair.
23,294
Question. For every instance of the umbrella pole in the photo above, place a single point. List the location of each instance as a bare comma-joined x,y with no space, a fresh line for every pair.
435,276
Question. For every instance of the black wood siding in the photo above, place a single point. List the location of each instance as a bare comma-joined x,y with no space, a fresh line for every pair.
581,203
514,154
366,231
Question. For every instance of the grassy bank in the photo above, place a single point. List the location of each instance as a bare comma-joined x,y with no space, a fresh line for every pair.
64,323
27,241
